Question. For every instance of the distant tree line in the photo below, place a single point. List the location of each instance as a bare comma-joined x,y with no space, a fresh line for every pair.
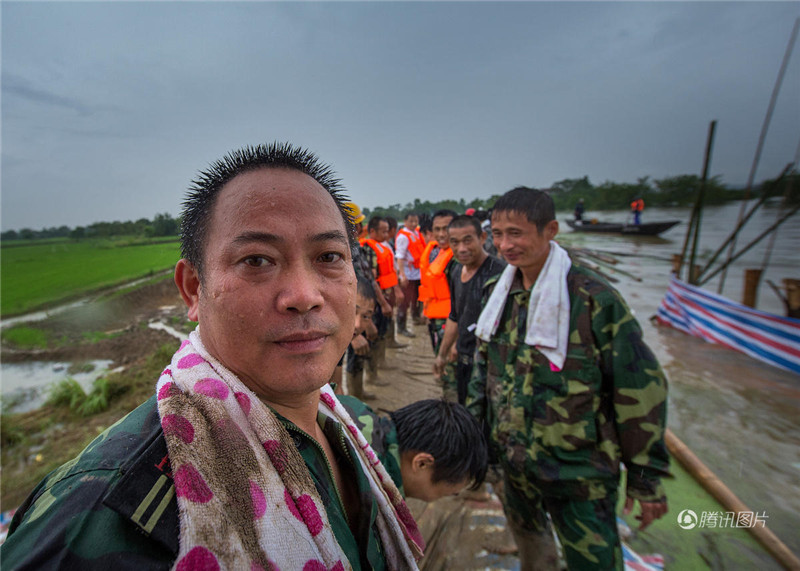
160,225
670,191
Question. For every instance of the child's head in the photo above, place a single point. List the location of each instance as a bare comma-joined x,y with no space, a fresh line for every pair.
365,304
442,448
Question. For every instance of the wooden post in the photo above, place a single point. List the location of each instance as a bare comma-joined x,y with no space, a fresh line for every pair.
792,296
752,277
677,261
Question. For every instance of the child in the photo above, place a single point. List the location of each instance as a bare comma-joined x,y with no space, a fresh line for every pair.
431,448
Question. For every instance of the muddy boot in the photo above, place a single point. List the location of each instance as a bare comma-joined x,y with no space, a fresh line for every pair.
355,381
381,354
391,342
373,364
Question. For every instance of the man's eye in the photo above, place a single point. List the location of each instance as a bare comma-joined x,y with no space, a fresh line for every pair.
330,257
256,261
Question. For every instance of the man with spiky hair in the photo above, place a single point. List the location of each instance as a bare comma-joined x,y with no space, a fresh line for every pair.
243,458
570,392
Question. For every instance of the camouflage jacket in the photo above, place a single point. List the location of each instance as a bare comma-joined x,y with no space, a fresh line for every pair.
114,507
567,431
380,432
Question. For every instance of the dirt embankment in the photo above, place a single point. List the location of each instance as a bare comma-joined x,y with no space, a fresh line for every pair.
113,327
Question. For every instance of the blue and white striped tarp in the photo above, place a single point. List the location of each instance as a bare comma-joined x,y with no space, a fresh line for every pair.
770,338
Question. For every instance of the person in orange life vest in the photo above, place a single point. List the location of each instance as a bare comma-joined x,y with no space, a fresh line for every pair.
381,261
636,209
434,292
408,253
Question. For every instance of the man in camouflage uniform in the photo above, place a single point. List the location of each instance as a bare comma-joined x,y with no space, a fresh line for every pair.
273,286
561,435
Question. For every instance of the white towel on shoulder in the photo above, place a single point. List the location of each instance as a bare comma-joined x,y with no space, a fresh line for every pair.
548,308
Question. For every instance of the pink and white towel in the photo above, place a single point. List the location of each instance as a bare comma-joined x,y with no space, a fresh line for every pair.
246,499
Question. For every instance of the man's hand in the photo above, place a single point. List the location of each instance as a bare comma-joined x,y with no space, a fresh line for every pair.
386,308
360,345
651,511
403,280
438,367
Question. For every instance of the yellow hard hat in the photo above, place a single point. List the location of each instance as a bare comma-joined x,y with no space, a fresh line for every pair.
354,211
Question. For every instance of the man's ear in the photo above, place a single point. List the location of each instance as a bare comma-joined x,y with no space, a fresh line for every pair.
188,282
551,229
422,461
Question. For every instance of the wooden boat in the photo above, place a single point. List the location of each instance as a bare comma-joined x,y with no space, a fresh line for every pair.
644,229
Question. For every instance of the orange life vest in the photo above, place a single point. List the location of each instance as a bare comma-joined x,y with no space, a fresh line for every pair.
415,244
433,289
387,277
637,205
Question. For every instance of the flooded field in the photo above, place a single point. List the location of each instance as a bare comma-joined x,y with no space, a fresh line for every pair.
740,416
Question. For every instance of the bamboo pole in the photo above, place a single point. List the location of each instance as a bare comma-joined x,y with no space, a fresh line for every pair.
762,137
729,500
699,204
739,226
760,237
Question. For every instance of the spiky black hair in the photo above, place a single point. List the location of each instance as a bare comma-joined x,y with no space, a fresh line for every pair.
203,191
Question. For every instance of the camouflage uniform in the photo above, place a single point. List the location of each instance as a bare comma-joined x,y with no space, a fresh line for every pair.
381,434
114,506
560,436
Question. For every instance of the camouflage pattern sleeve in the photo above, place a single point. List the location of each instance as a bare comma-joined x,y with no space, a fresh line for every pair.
381,434
68,521
476,389
639,392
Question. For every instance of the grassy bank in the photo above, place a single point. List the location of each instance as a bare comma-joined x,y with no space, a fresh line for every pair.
37,275
37,442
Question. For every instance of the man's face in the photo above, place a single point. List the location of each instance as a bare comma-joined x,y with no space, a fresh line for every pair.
364,308
411,222
519,241
276,303
467,245
440,224
381,233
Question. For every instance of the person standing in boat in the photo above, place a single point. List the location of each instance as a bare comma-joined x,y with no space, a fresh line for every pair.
579,209
569,391
637,206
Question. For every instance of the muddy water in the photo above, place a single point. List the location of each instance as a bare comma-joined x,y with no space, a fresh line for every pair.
740,416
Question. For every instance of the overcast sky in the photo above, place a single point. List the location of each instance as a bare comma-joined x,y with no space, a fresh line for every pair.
110,109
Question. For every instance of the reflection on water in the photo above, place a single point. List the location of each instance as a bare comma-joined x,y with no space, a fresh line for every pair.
25,385
740,416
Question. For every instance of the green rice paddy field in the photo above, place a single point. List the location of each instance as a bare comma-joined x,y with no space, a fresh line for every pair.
41,274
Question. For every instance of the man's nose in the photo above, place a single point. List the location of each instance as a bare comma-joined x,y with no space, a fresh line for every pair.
300,289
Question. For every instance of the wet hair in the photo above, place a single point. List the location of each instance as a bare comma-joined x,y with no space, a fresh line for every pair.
375,222
536,205
410,213
425,222
465,221
392,222
444,212
365,288
198,204
448,432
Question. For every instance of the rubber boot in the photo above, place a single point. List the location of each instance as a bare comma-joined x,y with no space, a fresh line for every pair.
374,363
355,380
381,353
391,342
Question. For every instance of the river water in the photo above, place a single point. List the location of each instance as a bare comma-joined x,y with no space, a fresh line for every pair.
739,415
